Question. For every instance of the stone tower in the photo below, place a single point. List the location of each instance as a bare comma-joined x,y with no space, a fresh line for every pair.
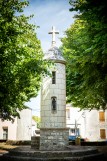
53,131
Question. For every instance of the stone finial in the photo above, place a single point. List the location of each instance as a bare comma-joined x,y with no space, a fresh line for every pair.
53,32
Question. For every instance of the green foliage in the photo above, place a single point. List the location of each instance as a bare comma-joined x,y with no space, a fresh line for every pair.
85,48
21,58
37,120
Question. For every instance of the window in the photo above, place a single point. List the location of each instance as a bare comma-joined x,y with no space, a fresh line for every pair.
101,116
68,113
102,133
74,131
54,103
5,133
53,77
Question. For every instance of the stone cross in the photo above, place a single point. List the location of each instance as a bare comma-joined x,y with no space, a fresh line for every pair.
53,32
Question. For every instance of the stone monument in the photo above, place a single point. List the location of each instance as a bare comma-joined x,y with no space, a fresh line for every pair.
53,131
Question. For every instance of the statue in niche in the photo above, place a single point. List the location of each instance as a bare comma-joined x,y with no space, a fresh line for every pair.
54,103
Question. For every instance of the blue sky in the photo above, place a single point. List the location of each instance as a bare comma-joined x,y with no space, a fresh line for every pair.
48,13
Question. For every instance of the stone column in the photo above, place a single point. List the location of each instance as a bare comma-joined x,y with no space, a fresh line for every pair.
53,132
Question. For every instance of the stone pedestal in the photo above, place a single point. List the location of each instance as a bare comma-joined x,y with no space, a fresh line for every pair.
35,142
54,138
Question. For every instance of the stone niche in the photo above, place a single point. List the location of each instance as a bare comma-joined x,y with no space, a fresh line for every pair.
54,138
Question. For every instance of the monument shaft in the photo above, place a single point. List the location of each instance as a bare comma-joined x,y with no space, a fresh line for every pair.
53,132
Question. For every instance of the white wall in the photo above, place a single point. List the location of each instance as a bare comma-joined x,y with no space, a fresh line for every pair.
93,125
12,129
76,119
20,129
24,125
88,123
34,127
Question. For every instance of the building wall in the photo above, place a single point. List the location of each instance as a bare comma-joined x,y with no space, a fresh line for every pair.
20,129
24,125
88,123
34,127
12,129
93,125
74,119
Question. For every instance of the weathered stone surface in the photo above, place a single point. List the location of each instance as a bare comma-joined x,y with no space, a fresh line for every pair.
73,153
48,117
53,138
35,142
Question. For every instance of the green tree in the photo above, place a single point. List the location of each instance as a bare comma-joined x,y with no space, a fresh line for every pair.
21,59
85,49
37,120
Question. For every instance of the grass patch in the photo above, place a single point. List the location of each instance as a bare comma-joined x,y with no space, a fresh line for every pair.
4,146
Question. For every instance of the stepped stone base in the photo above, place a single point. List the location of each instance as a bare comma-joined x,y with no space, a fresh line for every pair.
54,138
72,153
35,142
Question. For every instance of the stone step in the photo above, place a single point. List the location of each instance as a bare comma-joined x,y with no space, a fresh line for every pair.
72,153
91,157
48,154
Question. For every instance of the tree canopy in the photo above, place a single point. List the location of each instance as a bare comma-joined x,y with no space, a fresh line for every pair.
21,58
85,48
37,120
